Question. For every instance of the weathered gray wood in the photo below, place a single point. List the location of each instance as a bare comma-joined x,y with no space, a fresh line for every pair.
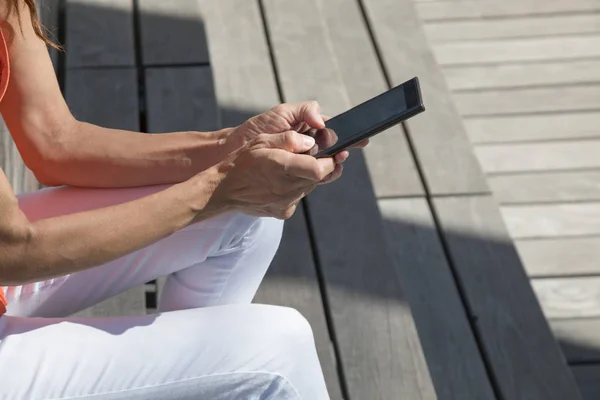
530,157
440,10
568,297
343,72
588,380
537,49
172,32
372,323
21,179
546,187
519,75
533,127
528,100
243,76
551,220
107,97
438,135
521,352
292,282
551,25
560,256
180,99
578,338
99,33
456,367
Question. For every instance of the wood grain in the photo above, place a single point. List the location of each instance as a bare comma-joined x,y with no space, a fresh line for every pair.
372,323
563,298
438,135
502,76
99,33
531,157
520,350
529,100
578,338
552,220
560,256
567,186
539,26
172,32
518,50
441,10
455,363
181,99
517,128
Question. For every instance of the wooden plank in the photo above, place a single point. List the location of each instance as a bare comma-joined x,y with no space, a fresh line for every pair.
539,156
186,92
563,298
372,323
99,33
438,136
588,380
172,32
442,10
551,25
455,364
546,187
292,282
243,75
502,76
560,256
521,352
517,50
533,127
552,220
578,338
528,100
344,72
108,98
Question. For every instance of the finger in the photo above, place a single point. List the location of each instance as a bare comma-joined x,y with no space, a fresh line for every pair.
291,141
341,156
308,167
325,117
296,113
361,144
335,175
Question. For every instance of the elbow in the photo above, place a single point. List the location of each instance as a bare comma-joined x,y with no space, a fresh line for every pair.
50,156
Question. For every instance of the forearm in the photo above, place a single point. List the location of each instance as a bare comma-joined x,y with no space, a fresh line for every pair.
58,246
91,156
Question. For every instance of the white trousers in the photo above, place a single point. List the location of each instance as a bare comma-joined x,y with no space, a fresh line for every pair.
206,342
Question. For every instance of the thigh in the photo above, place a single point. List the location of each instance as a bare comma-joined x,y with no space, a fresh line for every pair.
226,352
68,294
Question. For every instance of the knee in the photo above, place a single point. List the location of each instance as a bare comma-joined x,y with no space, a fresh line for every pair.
292,327
247,231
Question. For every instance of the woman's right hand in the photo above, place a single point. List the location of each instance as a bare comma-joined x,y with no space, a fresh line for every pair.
268,176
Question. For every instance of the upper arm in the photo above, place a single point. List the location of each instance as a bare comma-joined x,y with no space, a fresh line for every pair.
33,106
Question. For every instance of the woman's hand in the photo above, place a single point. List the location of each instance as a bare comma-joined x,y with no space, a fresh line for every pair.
268,177
299,117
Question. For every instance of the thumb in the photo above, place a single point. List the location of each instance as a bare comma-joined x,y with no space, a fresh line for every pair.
291,141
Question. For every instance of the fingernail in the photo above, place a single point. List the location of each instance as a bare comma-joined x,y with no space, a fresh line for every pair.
308,141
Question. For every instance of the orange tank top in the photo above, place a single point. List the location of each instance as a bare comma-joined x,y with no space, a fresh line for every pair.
4,75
